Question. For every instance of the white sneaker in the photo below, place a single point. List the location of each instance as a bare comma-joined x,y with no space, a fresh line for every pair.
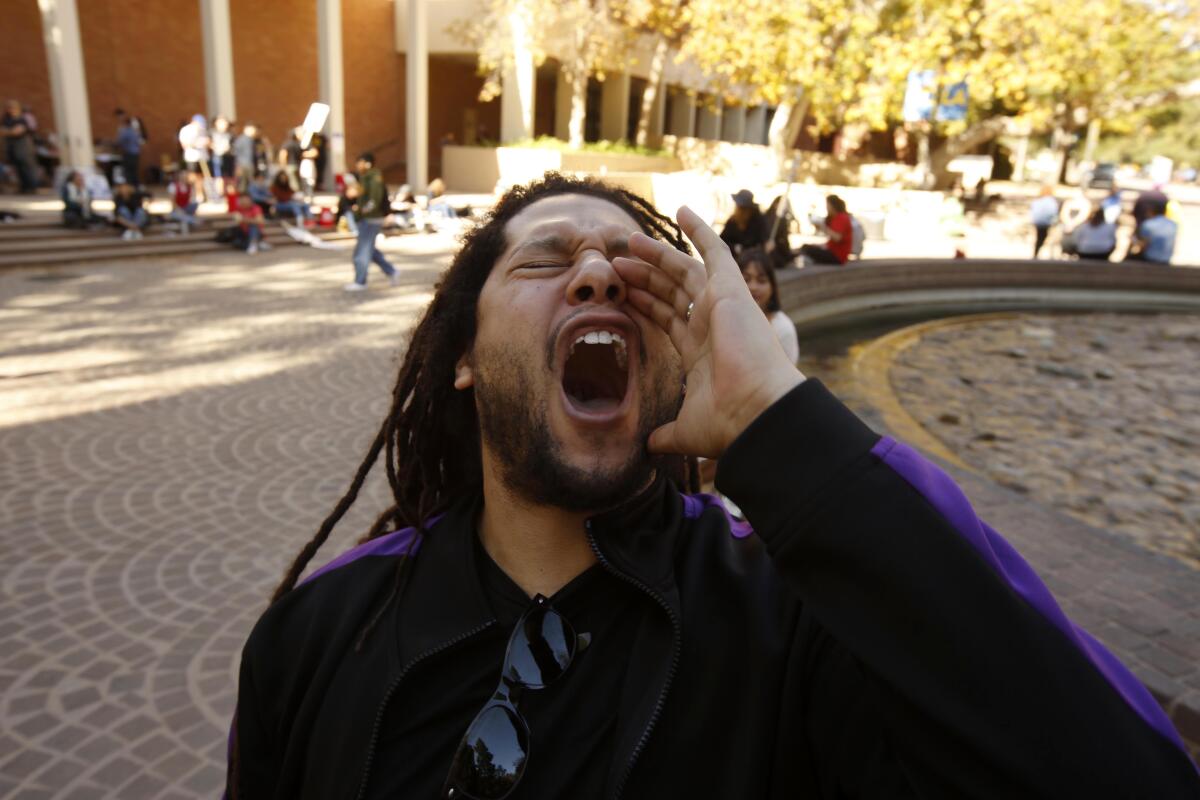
127,234
264,246
139,235
252,249
354,287
394,278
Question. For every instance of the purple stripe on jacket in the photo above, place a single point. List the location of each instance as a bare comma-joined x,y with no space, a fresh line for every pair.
944,495
395,543
695,504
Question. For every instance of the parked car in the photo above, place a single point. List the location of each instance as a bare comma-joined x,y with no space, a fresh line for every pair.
1103,176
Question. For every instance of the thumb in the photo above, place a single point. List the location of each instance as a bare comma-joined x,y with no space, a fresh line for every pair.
663,441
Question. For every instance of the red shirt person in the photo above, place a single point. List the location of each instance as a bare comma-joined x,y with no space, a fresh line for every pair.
841,235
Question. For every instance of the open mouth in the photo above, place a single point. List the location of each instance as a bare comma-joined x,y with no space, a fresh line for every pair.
596,372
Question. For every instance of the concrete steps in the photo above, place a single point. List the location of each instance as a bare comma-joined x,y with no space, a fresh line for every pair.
44,241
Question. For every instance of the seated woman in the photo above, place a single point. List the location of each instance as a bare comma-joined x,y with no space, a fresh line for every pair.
286,202
249,218
760,279
131,215
841,235
1097,238
183,202
260,194
77,203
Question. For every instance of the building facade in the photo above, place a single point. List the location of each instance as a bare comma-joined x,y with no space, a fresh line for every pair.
400,84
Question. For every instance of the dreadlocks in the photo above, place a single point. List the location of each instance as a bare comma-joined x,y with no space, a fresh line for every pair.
430,437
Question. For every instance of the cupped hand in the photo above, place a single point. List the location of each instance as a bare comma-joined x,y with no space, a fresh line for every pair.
734,365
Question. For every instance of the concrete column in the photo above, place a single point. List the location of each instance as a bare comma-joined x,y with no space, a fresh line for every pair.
614,106
518,84
416,112
683,114
658,117
218,58
562,106
330,84
708,121
68,89
756,125
733,124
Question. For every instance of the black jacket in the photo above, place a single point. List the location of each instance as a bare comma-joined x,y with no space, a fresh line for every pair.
872,638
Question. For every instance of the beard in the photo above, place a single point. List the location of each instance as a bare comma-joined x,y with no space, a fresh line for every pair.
514,423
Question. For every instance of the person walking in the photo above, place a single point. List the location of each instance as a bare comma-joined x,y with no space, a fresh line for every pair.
17,127
221,149
1043,212
370,209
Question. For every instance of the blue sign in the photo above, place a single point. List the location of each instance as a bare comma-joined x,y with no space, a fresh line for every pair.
954,103
919,94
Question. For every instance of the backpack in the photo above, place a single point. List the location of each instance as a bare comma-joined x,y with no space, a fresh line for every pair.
857,235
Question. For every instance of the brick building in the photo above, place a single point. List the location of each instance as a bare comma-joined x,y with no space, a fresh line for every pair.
73,62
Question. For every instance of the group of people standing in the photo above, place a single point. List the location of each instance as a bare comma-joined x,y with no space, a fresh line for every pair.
217,154
1095,239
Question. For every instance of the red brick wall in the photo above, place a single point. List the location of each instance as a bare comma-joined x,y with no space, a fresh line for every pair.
146,57
274,62
374,75
23,71
453,93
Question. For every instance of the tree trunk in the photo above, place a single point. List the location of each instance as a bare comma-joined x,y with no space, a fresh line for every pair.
1093,139
972,137
657,63
579,84
785,126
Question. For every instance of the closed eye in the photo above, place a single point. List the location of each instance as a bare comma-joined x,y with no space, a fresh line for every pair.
543,265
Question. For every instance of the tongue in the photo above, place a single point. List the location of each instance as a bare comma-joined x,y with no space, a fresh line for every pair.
597,405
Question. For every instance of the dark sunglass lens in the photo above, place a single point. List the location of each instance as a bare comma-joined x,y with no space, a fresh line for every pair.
541,649
492,756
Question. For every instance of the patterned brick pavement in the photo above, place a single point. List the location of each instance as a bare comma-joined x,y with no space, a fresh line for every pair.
171,432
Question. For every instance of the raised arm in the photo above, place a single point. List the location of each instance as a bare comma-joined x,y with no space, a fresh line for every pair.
979,684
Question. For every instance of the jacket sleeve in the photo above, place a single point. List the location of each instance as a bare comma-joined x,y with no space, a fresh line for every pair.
253,766
931,628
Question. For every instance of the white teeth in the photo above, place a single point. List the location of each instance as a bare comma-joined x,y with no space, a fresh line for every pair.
605,337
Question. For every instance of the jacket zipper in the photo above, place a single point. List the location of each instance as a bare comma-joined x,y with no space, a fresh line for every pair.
391,690
675,647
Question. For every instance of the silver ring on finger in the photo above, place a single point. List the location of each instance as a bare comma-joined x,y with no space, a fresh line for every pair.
687,315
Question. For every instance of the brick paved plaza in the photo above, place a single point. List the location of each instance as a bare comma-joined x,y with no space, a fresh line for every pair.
173,430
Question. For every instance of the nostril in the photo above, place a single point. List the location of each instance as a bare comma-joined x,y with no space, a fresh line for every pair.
612,292
584,292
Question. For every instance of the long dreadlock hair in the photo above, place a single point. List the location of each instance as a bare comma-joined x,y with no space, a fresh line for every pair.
430,437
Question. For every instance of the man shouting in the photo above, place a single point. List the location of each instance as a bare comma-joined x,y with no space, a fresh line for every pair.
543,612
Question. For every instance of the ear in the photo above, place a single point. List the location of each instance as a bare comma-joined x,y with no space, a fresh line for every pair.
464,376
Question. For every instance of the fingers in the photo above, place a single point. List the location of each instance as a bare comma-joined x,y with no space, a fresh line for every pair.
712,248
686,271
665,316
643,276
662,440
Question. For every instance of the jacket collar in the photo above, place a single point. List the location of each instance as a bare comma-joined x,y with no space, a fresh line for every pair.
444,599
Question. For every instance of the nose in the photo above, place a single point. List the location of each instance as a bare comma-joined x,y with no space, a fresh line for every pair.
596,282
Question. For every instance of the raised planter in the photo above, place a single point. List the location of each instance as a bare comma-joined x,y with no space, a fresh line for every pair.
480,169
1145,607
819,298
